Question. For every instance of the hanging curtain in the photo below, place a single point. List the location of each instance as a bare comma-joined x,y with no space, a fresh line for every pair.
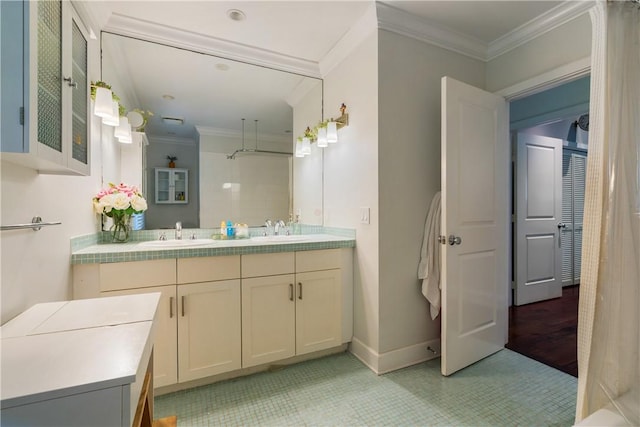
609,311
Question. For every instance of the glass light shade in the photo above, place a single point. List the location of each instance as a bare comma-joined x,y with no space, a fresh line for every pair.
104,102
306,146
123,128
322,137
114,118
332,132
299,152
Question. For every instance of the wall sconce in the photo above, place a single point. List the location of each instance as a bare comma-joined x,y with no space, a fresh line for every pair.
324,133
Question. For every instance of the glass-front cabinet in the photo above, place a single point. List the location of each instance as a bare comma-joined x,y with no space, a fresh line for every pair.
45,114
172,185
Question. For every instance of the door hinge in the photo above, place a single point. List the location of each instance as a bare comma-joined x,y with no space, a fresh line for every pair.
513,284
22,116
513,217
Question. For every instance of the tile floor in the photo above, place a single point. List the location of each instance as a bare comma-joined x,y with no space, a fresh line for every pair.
505,389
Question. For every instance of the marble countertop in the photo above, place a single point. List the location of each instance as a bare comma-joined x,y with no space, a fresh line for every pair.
141,251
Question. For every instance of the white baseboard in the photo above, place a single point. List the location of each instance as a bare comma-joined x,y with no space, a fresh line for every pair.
395,359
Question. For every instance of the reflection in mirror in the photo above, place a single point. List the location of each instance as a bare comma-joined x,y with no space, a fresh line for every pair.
198,103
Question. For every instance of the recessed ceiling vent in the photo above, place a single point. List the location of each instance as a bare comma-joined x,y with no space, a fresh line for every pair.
172,121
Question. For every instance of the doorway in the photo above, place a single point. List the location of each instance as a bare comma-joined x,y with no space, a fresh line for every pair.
547,330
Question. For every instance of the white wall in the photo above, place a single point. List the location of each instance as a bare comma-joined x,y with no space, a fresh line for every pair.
307,171
351,176
409,148
563,45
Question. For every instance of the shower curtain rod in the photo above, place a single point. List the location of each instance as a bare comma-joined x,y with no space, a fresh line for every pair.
254,150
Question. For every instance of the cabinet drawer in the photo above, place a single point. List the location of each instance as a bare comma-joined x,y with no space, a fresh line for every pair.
256,265
137,274
323,259
208,269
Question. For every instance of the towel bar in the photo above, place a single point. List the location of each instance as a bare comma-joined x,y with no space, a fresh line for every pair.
35,224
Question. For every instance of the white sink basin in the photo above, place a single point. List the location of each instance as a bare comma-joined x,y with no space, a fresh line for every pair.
176,244
282,239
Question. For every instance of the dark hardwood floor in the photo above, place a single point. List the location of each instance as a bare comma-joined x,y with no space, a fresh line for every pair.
547,331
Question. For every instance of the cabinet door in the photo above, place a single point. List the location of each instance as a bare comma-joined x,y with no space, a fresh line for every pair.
78,81
208,329
163,185
318,310
268,319
180,179
165,340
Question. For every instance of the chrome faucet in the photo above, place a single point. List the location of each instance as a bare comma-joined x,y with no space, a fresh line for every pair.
178,230
267,225
276,228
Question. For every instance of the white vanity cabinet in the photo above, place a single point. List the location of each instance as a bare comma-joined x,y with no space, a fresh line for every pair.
198,324
284,315
45,87
220,314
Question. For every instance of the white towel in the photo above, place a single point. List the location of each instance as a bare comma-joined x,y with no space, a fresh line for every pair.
429,268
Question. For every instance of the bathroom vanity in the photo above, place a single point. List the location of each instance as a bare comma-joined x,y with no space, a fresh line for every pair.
79,363
228,308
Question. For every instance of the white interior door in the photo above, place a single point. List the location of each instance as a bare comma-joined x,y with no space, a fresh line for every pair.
475,223
538,251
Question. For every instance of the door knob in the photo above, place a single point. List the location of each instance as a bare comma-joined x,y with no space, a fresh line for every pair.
562,225
454,240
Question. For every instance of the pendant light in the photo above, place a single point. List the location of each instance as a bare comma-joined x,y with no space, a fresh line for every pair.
104,102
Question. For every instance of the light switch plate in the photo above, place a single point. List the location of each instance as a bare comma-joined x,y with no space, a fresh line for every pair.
365,214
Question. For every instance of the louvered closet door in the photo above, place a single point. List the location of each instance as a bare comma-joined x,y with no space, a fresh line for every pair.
573,183
579,164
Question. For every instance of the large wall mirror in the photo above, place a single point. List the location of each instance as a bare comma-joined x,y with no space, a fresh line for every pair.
198,103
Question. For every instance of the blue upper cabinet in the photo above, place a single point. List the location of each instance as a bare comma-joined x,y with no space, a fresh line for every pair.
45,87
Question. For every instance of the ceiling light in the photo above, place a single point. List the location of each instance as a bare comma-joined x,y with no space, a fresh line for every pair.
236,15
168,97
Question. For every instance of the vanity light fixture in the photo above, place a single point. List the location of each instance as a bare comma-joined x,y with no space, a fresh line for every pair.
104,102
339,123
114,118
324,133
123,131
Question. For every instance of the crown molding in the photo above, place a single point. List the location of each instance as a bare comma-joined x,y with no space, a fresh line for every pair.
232,133
349,41
403,23
564,12
145,30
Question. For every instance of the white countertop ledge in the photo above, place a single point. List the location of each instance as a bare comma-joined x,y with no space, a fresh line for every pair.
64,348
